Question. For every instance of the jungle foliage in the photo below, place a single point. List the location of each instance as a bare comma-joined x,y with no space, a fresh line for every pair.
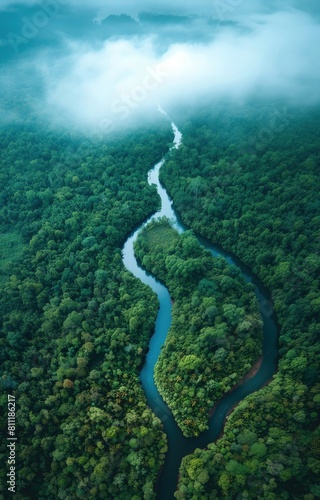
248,179
75,325
216,331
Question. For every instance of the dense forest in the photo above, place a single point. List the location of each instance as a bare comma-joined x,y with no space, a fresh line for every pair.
215,334
75,325
248,179
159,250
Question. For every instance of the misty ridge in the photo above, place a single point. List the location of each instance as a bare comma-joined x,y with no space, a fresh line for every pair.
99,67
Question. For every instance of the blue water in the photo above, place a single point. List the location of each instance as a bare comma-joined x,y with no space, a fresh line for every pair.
178,445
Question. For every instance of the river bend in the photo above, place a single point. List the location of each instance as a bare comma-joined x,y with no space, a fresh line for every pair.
178,445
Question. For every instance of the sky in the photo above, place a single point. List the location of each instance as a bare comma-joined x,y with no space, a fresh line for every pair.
91,79
234,7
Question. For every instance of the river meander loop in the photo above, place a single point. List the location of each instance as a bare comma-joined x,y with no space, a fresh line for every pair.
178,445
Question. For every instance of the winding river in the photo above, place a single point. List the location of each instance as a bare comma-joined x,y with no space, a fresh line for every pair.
178,445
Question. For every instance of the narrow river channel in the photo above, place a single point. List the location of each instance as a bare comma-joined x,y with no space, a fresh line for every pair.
179,446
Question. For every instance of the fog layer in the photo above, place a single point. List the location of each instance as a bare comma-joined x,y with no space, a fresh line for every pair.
102,85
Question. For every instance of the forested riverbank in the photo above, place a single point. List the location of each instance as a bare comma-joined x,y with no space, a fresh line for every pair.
75,325
216,331
254,189
182,362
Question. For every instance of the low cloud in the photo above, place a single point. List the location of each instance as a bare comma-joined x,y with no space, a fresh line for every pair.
276,56
102,86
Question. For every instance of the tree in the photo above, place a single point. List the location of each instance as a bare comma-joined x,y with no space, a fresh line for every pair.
189,362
